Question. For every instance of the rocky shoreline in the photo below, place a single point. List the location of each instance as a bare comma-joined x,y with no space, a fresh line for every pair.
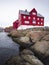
34,47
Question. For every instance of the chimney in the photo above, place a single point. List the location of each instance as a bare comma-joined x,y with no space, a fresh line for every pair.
25,10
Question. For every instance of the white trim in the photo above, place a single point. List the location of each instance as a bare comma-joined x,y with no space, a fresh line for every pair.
41,19
34,18
41,23
26,27
29,17
37,18
27,22
34,22
24,17
38,22
33,13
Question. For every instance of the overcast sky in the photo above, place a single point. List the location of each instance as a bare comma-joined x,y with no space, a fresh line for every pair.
9,10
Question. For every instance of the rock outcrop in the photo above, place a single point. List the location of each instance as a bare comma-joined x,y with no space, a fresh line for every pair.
36,35
41,47
24,42
16,33
46,38
34,47
26,57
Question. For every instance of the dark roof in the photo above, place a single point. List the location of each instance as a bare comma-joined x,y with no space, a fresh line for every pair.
24,12
27,13
39,15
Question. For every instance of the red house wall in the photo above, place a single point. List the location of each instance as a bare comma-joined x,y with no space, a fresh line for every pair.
40,21
26,19
15,24
33,18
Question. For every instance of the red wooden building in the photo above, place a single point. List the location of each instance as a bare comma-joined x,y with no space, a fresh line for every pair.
32,18
15,24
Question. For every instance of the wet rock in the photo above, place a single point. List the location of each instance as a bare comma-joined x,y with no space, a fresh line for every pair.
32,59
23,41
41,47
16,60
37,40
36,35
27,52
16,33
46,38
29,57
9,34
26,57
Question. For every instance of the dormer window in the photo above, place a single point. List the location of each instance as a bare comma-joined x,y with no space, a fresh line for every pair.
24,17
33,13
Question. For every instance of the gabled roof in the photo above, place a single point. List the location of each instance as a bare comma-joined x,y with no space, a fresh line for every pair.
39,15
28,13
16,21
33,10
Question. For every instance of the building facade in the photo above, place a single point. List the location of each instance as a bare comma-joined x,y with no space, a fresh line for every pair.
15,24
32,18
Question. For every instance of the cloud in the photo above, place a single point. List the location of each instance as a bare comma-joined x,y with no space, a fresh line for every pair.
9,9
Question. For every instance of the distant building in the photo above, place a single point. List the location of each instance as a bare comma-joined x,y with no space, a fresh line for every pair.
32,18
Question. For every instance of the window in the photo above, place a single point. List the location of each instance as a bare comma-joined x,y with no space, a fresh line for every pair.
34,18
27,22
34,22
33,13
24,17
29,17
41,23
41,19
38,22
37,18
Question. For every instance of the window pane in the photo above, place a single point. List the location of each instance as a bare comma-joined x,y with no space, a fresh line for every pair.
34,18
38,22
27,22
41,19
37,18
24,17
33,13
34,22
28,17
41,23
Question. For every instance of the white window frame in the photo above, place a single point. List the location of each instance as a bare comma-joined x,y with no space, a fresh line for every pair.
41,23
33,13
26,22
34,21
38,22
24,17
41,19
29,17
33,18
37,18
